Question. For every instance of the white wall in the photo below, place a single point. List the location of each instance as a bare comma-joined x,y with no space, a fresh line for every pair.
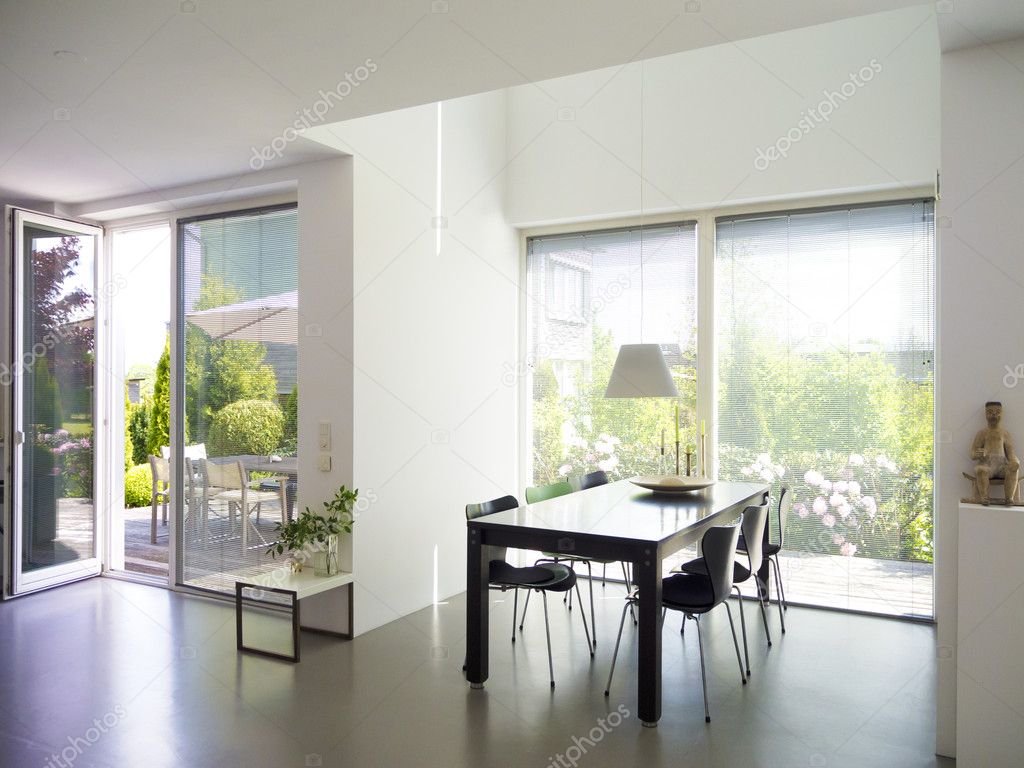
435,425
579,143
981,278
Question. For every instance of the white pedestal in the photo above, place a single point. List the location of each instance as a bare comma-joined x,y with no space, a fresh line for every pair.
990,636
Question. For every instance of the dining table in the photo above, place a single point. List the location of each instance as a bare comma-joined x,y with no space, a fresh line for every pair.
616,521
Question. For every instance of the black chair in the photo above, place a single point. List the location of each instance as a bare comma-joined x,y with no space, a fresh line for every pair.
755,519
590,480
696,595
771,551
544,578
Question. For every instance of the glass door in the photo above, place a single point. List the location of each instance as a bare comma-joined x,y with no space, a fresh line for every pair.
53,382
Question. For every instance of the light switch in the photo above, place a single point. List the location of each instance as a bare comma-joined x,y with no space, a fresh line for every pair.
324,433
324,462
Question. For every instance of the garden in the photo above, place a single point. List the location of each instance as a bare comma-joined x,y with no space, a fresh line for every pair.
231,401
844,430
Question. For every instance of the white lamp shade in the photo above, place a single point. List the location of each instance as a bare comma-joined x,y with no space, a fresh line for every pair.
641,371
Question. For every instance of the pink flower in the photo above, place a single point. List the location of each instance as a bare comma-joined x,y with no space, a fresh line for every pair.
854,488
820,506
841,486
837,500
813,477
837,539
828,520
801,510
844,510
848,549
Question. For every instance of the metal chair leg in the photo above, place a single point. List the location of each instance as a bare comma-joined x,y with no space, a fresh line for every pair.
568,595
604,572
780,595
778,573
703,672
547,631
743,625
526,604
515,610
629,588
735,644
615,654
593,620
583,614
764,616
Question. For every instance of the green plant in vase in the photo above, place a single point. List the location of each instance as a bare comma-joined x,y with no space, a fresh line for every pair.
316,533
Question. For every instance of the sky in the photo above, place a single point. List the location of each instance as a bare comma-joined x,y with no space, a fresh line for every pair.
141,291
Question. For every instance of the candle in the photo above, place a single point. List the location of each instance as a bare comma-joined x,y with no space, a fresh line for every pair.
702,427
663,442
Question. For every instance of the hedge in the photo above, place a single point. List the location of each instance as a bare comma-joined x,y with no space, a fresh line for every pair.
246,427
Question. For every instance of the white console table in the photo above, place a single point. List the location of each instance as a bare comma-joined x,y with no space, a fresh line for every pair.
990,636
325,603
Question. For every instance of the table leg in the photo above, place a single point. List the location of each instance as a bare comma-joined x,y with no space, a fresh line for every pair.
647,578
477,604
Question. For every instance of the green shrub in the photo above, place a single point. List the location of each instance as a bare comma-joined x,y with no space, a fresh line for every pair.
138,486
246,427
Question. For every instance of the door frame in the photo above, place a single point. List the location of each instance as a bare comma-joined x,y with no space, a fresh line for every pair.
17,582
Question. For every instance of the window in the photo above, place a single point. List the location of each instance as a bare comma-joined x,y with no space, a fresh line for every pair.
239,301
825,331
587,294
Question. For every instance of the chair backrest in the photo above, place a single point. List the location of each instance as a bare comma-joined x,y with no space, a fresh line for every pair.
161,470
484,508
545,492
197,451
227,475
592,480
785,503
718,546
755,523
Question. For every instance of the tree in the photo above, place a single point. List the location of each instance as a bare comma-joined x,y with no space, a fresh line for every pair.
220,372
159,434
55,311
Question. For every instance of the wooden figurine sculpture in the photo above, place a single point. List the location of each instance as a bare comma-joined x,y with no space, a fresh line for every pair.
997,462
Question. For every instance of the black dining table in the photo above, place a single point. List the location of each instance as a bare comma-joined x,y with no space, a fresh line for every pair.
617,521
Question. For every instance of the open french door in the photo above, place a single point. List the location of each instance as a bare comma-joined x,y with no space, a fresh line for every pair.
52,397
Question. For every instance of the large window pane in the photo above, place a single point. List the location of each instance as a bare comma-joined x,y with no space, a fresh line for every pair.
57,371
240,306
589,293
826,336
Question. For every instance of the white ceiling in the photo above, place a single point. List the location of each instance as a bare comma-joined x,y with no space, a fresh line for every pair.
177,91
965,23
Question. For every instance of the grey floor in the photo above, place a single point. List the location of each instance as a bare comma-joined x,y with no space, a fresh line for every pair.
111,673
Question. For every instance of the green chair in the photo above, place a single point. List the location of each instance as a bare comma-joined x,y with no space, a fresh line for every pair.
553,491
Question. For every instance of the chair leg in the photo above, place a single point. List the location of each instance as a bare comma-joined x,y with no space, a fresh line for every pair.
547,631
604,572
583,614
703,672
515,610
526,604
615,654
593,620
245,529
568,595
743,627
735,644
764,616
152,525
778,591
629,588
778,573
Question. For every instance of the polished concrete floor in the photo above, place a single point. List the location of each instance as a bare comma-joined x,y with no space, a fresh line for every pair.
109,673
